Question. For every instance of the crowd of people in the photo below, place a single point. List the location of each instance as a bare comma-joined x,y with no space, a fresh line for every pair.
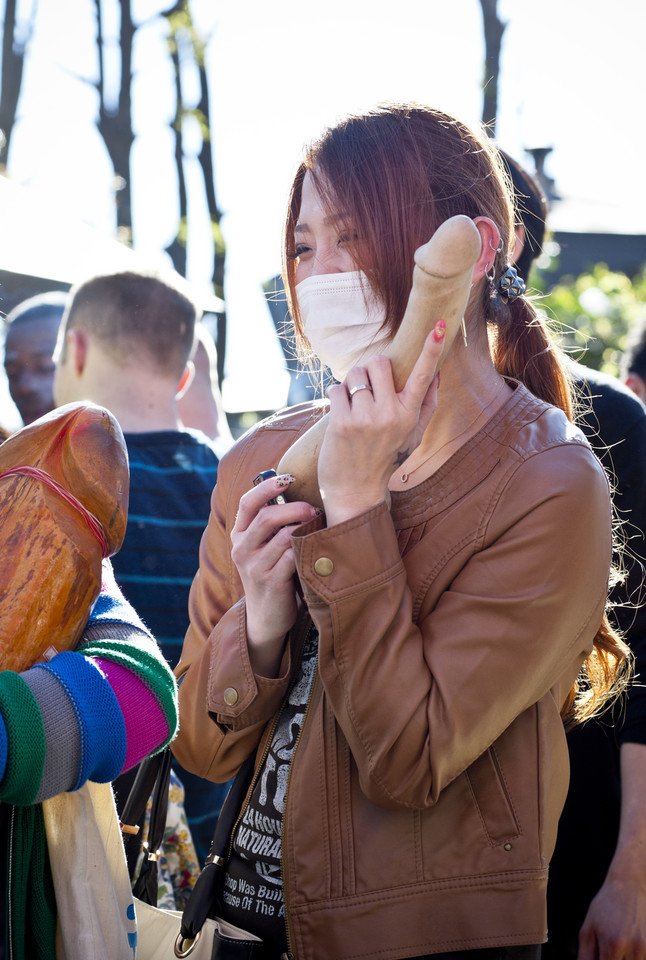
433,665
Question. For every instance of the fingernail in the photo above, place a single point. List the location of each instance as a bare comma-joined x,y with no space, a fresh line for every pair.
285,479
439,330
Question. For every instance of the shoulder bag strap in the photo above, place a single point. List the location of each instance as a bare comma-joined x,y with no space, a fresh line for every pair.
146,885
204,899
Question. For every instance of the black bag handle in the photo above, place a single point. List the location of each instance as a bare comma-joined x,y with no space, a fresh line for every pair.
146,885
204,900
153,777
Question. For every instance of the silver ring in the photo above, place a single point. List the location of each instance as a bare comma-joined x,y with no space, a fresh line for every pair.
359,386
185,951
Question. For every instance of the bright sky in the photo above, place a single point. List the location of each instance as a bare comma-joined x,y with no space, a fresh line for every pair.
571,77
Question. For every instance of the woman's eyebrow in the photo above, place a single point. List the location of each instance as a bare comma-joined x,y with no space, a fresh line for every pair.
330,221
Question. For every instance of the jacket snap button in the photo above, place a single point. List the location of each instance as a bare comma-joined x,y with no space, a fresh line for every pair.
324,566
507,846
230,696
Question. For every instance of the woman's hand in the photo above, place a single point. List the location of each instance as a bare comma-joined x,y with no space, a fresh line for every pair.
262,552
371,432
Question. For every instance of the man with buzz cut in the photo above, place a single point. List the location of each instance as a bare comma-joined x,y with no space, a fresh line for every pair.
124,343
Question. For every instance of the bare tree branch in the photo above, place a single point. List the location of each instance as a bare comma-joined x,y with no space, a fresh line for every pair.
13,60
116,126
181,24
177,248
493,31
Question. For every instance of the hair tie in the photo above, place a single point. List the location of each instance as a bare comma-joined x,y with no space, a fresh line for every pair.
510,286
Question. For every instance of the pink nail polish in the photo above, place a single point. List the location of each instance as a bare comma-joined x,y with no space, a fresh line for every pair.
439,330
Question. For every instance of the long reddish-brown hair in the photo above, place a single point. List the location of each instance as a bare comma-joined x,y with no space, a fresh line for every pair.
394,174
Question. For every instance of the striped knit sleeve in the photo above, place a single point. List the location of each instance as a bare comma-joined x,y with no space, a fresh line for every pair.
89,714
125,652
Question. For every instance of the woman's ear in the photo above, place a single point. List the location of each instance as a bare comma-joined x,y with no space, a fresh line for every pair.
635,383
77,347
490,237
186,379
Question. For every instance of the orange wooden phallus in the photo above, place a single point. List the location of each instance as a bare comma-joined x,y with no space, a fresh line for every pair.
59,516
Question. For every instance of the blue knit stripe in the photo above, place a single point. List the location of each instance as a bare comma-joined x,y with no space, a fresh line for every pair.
113,608
101,723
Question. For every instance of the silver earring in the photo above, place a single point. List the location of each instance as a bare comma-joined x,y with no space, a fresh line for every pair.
491,280
498,248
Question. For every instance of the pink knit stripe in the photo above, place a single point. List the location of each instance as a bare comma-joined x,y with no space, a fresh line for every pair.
146,727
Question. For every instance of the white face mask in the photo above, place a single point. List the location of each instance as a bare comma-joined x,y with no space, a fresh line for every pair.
342,319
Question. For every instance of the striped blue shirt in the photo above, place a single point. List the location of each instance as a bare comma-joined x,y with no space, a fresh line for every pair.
172,475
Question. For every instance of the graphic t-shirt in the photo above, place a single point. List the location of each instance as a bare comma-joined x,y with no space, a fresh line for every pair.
253,889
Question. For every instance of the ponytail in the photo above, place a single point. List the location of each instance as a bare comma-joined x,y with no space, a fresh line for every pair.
524,349
605,675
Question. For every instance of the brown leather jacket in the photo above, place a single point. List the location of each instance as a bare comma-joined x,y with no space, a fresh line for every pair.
425,791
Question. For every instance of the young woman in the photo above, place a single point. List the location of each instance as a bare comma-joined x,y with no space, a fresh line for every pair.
402,662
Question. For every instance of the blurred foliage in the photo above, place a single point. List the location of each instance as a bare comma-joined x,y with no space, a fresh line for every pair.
593,313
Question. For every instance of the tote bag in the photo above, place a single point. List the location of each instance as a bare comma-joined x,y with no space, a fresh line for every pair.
94,898
160,938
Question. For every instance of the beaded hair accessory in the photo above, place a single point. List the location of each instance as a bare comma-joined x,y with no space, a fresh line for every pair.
510,285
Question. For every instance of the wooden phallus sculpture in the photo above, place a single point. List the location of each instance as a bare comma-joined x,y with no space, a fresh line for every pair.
64,484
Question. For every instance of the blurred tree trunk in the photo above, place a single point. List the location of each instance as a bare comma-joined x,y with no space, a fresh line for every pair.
182,30
181,24
177,248
13,59
208,173
115,122
206,163
493,31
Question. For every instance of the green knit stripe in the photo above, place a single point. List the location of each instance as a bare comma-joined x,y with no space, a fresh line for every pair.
25,740
149,666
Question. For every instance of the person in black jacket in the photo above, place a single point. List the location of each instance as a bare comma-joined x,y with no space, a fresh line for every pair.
596,893
633,363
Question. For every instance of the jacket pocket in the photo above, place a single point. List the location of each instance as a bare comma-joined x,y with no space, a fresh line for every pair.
492,799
